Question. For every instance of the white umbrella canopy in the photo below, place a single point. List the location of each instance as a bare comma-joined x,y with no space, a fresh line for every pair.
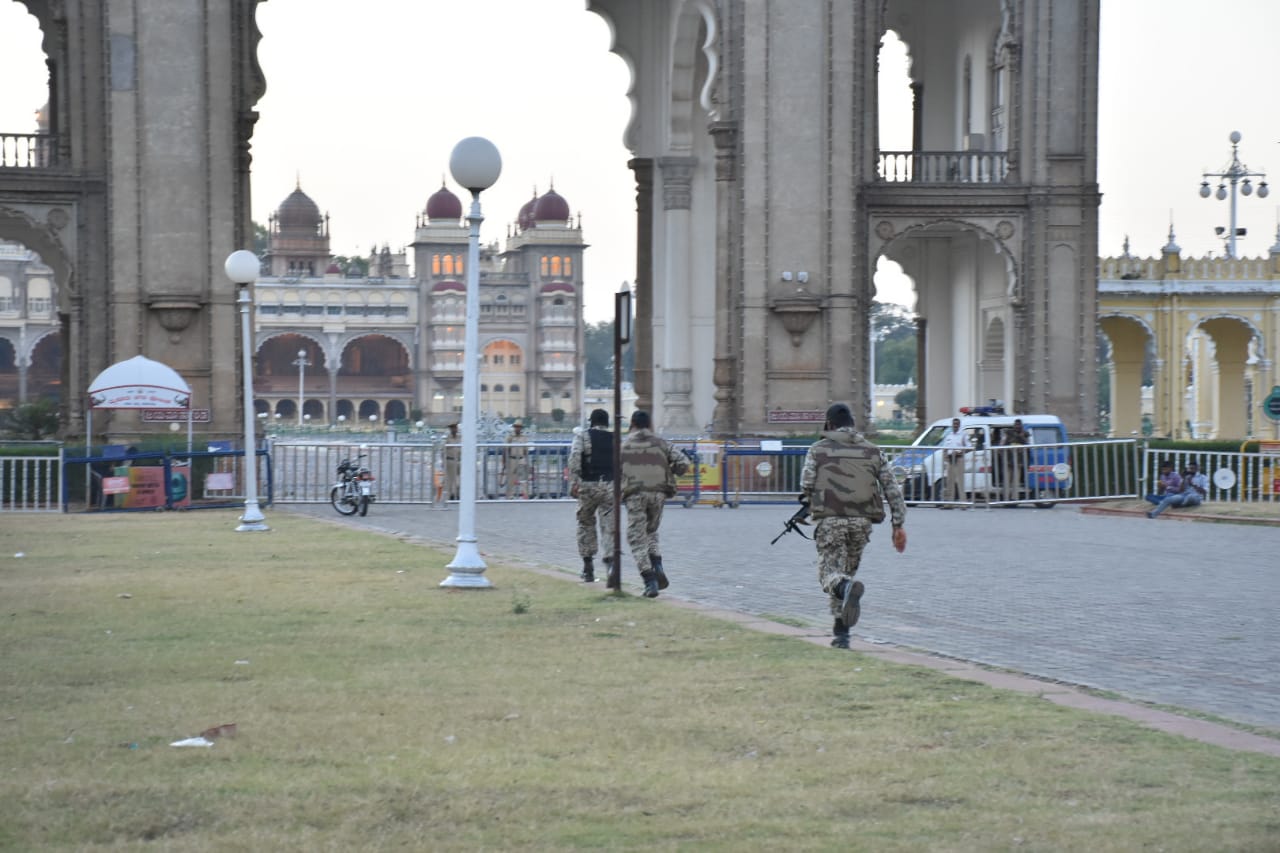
139,383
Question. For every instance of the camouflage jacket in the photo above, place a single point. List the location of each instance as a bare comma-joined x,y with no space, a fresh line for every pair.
847,476
650,464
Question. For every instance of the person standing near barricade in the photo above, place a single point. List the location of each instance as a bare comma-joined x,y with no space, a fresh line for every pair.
516,462
1014,462
650,465
955,444
591,482
452,463
846,481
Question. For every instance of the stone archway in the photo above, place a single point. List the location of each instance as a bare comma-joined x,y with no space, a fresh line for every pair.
1130,340
1217,353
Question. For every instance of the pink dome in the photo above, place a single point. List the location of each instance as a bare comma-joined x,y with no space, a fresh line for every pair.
444,205
333,269
298,213
551,208
524,219
557,287
448,285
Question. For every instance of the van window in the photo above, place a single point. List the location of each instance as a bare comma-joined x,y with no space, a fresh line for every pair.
1045,435
976,437
933,437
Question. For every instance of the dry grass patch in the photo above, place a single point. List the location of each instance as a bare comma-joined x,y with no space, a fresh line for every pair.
375,710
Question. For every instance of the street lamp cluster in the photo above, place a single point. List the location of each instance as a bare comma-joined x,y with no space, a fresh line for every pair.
475,164
1236,176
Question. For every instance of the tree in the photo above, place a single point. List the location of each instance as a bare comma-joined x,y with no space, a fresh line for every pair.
906,400
598,346
352,267
894,330
31,421
261,239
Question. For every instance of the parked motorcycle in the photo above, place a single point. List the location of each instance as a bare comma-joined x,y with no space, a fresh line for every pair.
354,490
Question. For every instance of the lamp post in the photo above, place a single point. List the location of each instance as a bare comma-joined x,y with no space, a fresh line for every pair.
1235,174
242,267
475,164
302,364
621,335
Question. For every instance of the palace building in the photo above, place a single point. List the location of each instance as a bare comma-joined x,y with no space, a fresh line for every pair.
388,346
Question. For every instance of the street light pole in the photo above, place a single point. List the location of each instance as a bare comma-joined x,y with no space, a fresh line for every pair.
1235,174
302,365
475,164
242,267
621,335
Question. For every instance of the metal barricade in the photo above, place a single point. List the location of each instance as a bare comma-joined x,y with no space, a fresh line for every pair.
414,473
31,483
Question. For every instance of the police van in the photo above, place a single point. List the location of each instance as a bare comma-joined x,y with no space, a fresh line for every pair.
1039,472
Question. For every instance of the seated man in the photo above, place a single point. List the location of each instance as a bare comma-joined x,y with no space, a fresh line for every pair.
1194,488
1168,484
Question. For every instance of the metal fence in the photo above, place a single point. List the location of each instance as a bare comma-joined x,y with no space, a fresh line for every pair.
31,483
414,473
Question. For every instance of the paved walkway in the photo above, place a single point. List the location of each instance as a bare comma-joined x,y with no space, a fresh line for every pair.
1170,613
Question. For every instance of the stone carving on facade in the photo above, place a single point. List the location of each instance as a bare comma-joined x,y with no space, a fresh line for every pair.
797,311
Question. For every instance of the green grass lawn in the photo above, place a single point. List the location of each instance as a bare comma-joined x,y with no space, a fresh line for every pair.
375,710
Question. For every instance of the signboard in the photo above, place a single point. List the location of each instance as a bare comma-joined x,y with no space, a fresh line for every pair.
796,416
146,488
1271,405
222,481
115,485
199,416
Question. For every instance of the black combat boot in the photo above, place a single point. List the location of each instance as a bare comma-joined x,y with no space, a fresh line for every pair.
849,594
841,632
588,571
656,562
650,584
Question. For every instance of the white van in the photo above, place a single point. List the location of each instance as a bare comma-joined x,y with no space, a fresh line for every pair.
922,470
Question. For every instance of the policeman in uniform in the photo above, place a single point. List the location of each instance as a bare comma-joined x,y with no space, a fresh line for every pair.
591,482
844,479
452,463
517,459
650,466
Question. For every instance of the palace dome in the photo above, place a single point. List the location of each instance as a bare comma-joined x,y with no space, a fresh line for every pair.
298,213
551,207
524,219
444,205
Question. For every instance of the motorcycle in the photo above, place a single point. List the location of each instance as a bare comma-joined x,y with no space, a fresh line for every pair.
354,490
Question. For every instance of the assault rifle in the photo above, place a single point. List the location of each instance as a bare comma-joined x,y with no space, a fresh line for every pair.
793,523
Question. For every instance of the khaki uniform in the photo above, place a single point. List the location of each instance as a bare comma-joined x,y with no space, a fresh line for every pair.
452,468
592,478
847,480
650,466
516,463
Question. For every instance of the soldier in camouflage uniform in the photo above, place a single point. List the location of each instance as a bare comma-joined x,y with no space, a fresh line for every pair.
650,466
591,482
846,480
516,461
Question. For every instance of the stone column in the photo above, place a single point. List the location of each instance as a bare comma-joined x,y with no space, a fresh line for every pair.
677,368
726,415
642,334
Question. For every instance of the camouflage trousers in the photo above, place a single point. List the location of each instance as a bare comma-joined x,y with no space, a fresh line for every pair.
644,515
840,542
595,501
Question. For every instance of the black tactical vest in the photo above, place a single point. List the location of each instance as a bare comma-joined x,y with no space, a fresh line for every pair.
597,461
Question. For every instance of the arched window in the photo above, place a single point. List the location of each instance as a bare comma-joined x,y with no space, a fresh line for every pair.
513,388
546,266
568,267
556,267
497,389
484,387
435,265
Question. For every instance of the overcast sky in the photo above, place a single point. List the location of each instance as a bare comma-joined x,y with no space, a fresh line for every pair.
365,101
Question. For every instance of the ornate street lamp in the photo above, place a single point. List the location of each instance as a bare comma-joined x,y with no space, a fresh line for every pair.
1235,174
242,267
302,364
475,164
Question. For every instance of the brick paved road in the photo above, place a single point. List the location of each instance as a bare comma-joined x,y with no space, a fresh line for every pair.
1169,612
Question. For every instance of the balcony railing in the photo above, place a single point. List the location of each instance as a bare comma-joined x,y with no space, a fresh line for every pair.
28,151
944,167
